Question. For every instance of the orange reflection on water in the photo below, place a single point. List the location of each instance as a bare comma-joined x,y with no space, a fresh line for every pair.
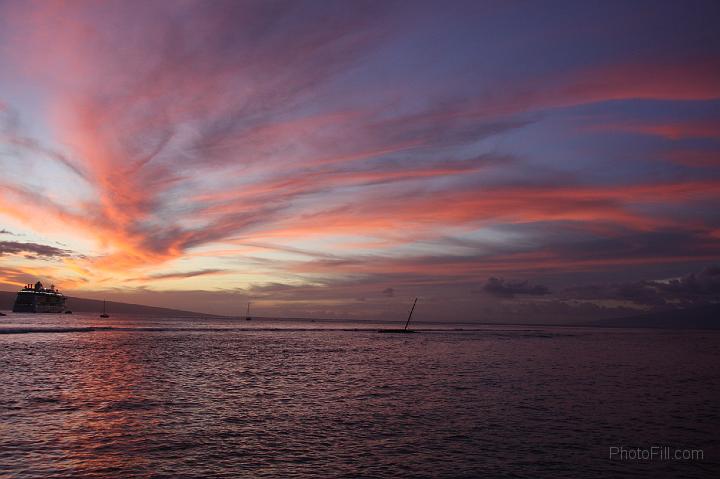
110,413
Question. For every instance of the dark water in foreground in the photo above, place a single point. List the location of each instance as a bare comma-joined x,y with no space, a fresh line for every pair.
175,398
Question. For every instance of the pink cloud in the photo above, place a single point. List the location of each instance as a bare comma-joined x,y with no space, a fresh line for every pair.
195,126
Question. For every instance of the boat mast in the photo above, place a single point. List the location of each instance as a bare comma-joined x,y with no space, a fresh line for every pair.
411,312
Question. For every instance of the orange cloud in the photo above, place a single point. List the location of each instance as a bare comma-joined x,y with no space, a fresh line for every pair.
186,143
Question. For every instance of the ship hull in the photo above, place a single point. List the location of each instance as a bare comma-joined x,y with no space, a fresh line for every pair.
38,308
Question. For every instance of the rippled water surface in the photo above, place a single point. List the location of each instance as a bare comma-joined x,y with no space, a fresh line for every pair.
140,397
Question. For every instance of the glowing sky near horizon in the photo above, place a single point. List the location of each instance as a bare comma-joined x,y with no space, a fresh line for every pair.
339,158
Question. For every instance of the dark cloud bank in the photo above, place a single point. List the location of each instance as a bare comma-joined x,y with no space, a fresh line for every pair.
696,288
508,289
33,250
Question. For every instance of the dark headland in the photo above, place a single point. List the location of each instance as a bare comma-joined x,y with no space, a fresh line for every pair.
79,305
698,317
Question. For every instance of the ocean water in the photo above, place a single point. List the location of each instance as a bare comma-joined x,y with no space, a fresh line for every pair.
171,397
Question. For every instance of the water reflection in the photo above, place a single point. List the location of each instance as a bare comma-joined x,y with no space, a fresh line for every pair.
108,411
259,403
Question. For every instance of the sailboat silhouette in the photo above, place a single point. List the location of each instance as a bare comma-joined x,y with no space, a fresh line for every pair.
104,313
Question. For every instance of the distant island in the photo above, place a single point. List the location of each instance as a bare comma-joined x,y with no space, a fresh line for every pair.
696,317
81,305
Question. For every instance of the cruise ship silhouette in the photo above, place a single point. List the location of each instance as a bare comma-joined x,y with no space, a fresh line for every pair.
37,299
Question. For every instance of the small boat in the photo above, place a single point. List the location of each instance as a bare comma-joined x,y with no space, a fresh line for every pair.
247,314
104,313
3,314
398,331
405,330
68,312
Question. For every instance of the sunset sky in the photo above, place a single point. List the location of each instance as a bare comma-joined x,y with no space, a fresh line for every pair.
501,160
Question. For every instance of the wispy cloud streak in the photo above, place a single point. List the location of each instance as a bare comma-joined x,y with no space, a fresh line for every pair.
319,143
